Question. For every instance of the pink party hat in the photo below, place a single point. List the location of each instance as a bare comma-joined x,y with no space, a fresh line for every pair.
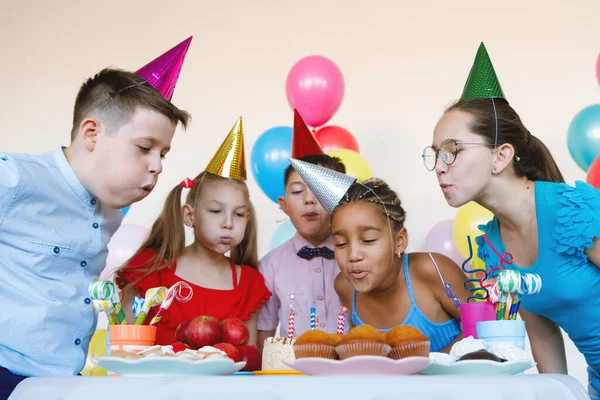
162,73
328,186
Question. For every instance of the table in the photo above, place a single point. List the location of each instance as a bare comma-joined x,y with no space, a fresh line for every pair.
447,387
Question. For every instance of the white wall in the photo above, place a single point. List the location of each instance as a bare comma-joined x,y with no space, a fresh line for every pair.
403,62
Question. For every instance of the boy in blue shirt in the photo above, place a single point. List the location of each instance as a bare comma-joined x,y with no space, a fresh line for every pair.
58,211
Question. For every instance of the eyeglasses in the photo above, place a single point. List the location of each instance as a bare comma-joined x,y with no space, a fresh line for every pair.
448,149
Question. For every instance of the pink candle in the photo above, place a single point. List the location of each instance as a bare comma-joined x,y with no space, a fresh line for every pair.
291,327
341,321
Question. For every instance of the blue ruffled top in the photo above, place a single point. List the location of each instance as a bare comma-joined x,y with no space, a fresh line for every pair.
568,221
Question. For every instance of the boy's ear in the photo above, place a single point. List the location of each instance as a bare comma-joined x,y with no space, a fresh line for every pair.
282,204
89,130
401,241
187,213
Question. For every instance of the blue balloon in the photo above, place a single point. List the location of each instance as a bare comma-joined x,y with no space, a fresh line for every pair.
282,234
125,210
583,138
269,159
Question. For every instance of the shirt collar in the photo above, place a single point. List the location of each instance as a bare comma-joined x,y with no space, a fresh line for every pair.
300,242
70,177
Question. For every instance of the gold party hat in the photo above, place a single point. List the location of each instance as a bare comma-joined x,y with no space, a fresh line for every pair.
229,161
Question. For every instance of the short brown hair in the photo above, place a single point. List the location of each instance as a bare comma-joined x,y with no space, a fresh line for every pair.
114,95
322,160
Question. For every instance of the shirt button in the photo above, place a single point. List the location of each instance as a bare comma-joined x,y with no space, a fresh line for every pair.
77,342
93,202
56,250
322,324
292,297
87,301
83,263
320,297
318,270
95,225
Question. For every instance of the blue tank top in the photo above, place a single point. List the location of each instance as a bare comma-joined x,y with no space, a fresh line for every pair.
568,220
440,335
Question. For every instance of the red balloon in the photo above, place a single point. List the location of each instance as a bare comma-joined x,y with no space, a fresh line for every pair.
335,137
593,176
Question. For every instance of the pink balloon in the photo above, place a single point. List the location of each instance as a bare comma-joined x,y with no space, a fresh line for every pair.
315,87
124,243
440,240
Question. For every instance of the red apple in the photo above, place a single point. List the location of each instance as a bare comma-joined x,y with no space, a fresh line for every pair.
204,331
180,346
235,331
231,351
251,354
181,331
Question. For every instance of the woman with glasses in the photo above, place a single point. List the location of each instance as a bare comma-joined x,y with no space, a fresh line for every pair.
482,152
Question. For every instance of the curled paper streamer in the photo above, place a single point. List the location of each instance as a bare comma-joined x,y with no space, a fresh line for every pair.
137,306
530,284
106,290
154,297
175,292
508,281
104,306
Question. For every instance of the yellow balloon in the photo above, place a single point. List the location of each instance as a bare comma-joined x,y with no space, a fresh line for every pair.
465,224
356,166
96,349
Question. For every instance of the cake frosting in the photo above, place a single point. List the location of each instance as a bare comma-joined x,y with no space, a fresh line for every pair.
466,346
167,351
470,349
276,350
508,352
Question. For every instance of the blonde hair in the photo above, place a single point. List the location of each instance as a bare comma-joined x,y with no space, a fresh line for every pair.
167,236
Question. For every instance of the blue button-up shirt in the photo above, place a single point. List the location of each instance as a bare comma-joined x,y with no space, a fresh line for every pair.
53,243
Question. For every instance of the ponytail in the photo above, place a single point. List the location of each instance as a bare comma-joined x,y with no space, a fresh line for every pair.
537,164
166,238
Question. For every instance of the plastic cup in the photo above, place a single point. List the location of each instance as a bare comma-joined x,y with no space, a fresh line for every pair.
472,313
502,331
131,337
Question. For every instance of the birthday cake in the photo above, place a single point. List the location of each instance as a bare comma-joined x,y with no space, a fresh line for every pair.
276,350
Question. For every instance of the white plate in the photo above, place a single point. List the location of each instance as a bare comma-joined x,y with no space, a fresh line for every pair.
479,367
168,366
359,365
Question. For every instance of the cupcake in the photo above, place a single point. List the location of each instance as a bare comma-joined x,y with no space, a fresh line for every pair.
316,343
407,341
363,340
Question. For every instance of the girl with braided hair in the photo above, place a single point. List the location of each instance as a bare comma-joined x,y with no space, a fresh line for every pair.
380,283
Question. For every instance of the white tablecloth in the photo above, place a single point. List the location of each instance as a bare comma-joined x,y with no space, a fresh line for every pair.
447,387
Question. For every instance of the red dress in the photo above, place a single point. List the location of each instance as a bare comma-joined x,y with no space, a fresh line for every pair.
245,298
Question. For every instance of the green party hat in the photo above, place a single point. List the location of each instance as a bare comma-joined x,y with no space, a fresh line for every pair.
482,82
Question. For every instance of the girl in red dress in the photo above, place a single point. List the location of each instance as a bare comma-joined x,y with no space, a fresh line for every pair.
220,212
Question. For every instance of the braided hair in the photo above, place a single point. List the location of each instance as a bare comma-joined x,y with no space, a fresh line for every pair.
378,192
